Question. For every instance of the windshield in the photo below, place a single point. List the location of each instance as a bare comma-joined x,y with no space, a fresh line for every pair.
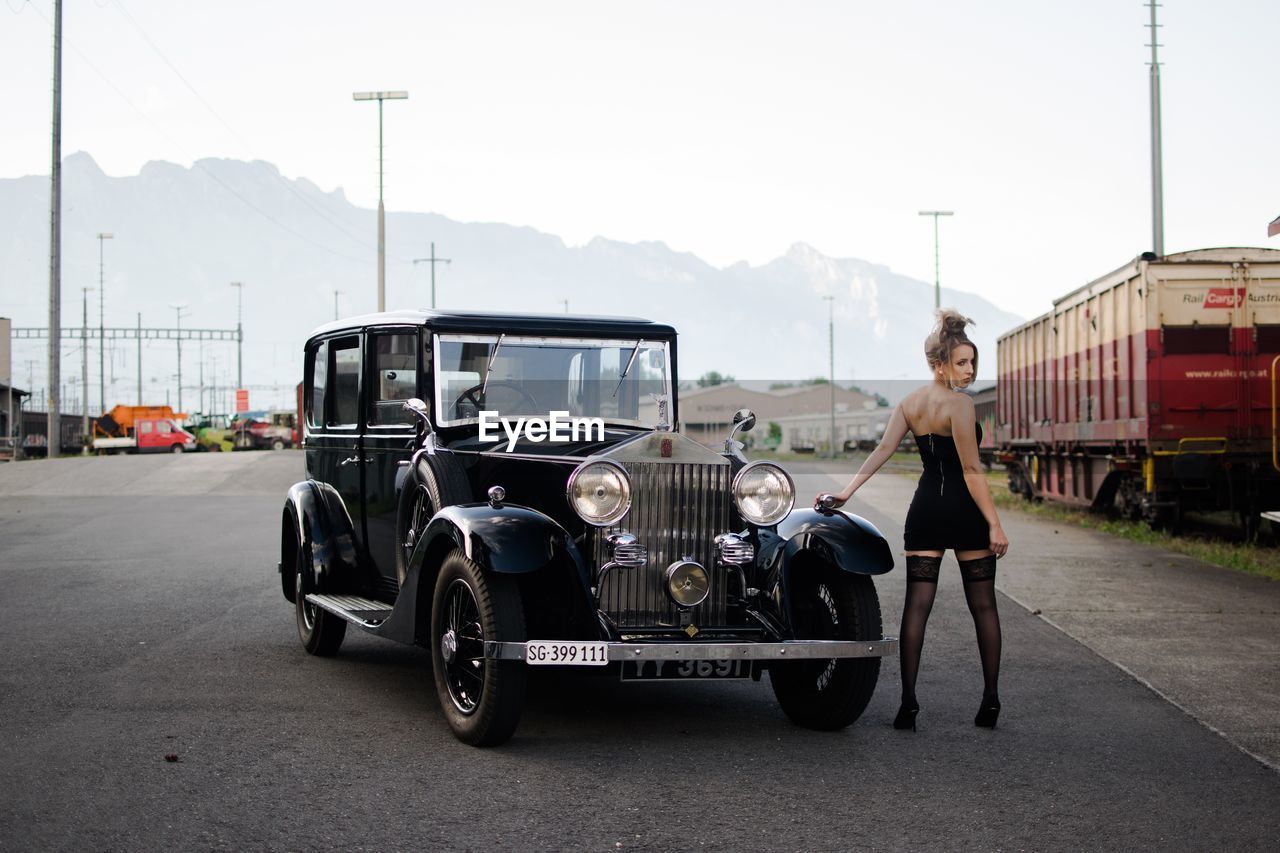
536,376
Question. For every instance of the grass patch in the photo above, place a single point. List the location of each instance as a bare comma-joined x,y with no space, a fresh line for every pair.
1255,559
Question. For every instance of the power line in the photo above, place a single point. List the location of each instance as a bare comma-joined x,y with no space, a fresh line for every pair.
196,163
287,184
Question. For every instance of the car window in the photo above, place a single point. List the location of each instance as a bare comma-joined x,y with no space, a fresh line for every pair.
144,427
395,377
344,391
616,380
319,371
164,427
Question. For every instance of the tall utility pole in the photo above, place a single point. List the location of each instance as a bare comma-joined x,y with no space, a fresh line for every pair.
54,446
1157,173
937,264
433,260
239,286
831,347
139,358
178,310
102,341
335,303
382,217
84,365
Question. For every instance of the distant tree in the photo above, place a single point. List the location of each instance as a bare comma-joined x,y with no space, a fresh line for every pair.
817,380
778,386
775,431
713,377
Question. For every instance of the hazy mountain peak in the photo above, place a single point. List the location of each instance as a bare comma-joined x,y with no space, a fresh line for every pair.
181,238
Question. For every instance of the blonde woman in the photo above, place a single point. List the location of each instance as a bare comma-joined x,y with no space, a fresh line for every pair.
952,510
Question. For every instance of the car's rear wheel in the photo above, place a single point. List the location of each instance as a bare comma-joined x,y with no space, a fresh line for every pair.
278,444
829,604
321,632
481,698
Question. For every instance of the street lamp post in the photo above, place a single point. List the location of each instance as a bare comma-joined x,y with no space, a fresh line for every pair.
382,227
239,286
831,347
178,311
335,303
433,260
84,368
102,341
937,278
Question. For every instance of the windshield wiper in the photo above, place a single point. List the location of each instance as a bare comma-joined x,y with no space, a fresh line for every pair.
489,368
627,369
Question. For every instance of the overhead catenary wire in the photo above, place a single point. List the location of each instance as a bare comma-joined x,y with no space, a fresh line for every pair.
319,211
196,163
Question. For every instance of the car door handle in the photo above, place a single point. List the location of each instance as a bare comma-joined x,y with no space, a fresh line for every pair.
351,459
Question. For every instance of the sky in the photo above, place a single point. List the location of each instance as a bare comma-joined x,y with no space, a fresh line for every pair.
730,130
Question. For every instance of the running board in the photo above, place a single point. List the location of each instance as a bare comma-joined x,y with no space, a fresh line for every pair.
364,612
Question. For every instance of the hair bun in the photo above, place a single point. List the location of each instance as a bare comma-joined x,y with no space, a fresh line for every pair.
951,323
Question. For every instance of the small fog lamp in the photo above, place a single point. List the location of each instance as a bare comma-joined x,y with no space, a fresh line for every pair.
687,583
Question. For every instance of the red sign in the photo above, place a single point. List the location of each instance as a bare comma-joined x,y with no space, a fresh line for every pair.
242,400
1224,297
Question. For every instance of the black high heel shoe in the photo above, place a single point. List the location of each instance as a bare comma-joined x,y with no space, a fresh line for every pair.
988,712
906,718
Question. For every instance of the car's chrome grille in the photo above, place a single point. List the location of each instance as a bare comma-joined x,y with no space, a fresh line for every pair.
677,510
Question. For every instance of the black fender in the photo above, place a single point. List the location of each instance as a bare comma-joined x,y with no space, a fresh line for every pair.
506,539
844,540
314,512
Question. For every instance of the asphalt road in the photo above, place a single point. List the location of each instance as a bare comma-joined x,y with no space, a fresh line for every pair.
142,617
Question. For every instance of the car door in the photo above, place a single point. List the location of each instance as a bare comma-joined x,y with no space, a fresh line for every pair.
334,452
393,366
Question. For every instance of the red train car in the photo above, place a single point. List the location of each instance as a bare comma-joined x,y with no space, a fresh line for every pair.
1150,389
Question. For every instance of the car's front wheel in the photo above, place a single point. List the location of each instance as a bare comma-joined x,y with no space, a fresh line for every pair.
481,698
830,693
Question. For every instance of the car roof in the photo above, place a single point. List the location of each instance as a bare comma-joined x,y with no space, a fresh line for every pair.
493,321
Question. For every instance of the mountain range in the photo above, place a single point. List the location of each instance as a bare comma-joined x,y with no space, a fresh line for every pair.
182,235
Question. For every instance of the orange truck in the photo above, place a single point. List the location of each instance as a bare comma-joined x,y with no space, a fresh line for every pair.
141,429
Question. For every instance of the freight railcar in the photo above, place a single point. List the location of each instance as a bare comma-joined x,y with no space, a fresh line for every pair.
984,409
1151,389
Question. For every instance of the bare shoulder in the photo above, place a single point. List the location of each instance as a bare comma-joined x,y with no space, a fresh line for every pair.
960,405
912,404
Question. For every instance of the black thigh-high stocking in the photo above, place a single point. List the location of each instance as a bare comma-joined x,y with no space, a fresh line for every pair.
922,586
980,593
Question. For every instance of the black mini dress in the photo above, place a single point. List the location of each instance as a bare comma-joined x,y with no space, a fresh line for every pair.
943,515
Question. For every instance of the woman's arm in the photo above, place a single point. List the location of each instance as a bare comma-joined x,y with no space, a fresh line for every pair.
966,438
894,432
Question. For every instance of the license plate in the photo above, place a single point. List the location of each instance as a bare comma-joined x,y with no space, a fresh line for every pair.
543,653
685,670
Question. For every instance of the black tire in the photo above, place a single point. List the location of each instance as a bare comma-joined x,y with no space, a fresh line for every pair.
829,694
437,481
177,448
278,444
320,631
481,699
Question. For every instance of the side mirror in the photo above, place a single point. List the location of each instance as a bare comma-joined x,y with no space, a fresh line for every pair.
419,408
743,421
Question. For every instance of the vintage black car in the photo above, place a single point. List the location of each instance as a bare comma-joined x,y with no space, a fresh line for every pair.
512,491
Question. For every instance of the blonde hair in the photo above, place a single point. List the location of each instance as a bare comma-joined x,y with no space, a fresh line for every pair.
947,334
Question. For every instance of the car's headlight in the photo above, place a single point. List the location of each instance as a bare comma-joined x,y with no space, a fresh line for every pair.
764,493
600,492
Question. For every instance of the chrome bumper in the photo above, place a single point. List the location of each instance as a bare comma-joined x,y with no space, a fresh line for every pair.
787,650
